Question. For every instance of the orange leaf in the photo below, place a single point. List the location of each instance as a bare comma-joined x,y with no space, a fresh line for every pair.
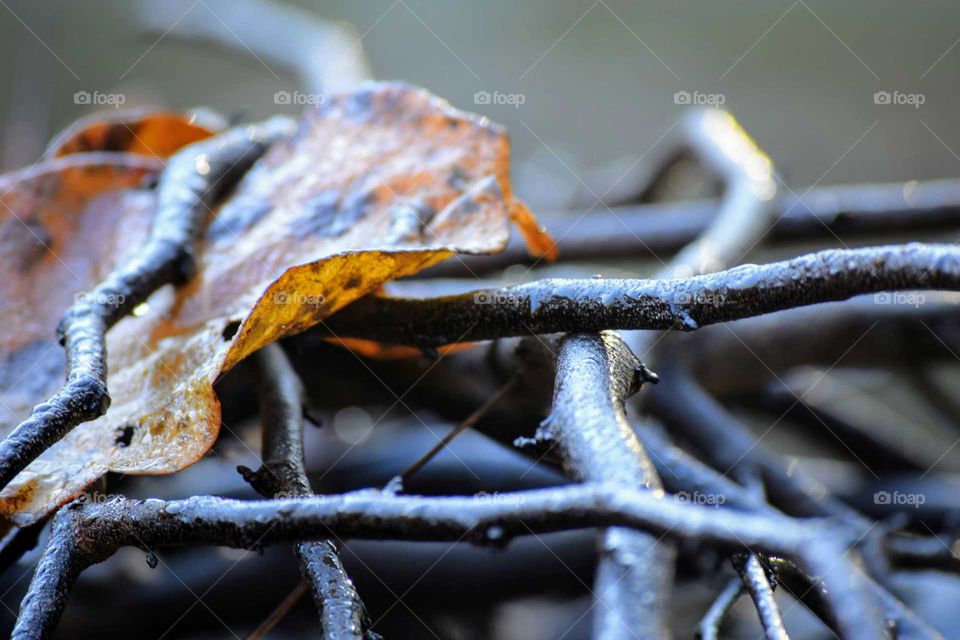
143,133
377,184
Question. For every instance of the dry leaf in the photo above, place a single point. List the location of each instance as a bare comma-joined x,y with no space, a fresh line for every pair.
377,184
143,133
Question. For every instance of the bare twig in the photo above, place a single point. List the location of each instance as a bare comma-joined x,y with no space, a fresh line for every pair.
283,475
709,628
558,305
18,542
746,177
470,421
651,230
588,427
915,552
738,359
757,582
87,533
185,194
689,411
281,610
325,55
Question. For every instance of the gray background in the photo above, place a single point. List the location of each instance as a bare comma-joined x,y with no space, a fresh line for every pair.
598,78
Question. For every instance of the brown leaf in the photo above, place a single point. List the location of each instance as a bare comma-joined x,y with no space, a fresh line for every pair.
143,133
377,184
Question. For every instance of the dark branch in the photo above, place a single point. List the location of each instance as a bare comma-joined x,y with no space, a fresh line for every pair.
757,582
283,474
193,180
87,533
650,230
688,411
18,542
556,305
588,428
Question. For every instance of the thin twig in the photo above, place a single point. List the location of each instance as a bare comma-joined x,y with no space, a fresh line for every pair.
283,475
709,628
688,410
658,229
280,611
757,582
685,408
467,423
18,542
587,426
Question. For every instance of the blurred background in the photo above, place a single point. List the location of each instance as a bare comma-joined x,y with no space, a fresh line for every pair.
596,80
834,92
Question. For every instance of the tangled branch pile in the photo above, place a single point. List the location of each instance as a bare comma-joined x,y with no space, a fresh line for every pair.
670,476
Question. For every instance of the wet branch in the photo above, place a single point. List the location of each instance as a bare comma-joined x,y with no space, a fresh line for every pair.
560,305
193,180
758,585
657,229
283,474
687,410
588,428
87,533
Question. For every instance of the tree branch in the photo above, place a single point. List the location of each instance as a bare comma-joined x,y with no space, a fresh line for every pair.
648,230
283,474
757,582
558,305
87,533
588,428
